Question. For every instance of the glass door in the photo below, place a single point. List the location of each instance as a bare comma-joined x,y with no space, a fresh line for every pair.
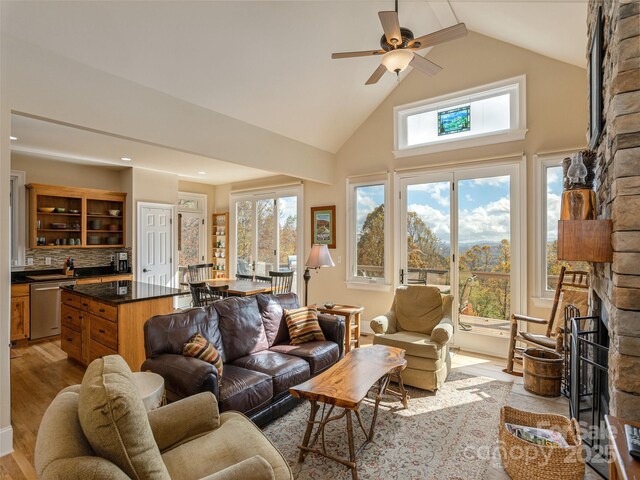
267,236
459,233
426,224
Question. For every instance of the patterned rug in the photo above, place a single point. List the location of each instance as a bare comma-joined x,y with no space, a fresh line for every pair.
438,437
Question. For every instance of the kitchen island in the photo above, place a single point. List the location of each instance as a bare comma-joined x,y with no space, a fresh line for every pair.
108,318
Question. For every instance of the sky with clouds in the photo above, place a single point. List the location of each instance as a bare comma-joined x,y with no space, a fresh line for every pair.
554,196
484,208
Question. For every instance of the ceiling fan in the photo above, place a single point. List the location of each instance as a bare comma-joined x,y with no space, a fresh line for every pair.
399,47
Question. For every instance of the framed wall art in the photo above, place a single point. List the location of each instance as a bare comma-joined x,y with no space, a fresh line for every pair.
323,226
595,83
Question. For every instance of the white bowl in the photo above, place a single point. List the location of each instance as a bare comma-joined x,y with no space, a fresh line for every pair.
114,213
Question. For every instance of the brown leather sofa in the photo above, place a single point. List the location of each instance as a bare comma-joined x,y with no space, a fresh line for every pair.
251,334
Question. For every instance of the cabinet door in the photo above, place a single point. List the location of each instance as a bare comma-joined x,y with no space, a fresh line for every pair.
19,318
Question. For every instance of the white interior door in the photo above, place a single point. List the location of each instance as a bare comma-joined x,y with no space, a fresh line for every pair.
155,244
460,232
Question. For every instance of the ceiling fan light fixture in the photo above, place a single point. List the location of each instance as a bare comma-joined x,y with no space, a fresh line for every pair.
397,60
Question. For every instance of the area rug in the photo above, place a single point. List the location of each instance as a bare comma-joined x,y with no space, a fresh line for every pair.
440,436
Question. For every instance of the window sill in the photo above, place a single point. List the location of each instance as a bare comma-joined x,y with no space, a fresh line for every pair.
477,141
375,287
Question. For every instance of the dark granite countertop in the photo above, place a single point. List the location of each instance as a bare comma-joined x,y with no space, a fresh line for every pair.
21,276
124,291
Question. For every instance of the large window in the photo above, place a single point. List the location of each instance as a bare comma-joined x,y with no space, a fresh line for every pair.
368,219
550,196
480,116
266,232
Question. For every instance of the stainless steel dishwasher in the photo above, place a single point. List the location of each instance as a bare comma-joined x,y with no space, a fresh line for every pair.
45,308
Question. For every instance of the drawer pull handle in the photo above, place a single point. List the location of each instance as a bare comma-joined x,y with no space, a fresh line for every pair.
85,304
69,339
69,317
101,310
100,330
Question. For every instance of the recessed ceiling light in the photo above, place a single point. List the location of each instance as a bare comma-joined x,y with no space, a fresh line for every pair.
125,159
13,138
202,173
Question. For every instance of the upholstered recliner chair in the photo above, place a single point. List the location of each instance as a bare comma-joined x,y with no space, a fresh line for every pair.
419,322
100,430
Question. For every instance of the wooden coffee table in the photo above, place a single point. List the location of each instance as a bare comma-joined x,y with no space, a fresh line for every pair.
345,385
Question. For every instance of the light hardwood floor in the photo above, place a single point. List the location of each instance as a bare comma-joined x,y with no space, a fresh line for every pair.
39,371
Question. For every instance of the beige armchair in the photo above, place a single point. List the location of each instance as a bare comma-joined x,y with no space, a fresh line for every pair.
101,430
419,322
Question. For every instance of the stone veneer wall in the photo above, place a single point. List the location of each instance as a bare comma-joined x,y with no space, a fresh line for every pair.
618,191
83,257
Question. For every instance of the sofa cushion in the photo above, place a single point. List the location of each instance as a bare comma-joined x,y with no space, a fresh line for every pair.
114,420
168,333
285,370
241,327
320,355
303,325
200,347
418,308
235,440
272,312
415,344
244,390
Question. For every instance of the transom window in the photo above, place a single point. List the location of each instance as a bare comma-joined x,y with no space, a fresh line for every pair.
480,116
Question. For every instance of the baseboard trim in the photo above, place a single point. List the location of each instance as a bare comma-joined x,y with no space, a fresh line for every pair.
6,441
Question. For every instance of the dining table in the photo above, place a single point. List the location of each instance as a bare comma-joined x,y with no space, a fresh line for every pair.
240,288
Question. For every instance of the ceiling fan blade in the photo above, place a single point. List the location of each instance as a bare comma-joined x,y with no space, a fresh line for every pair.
441,36
424,65
377,75
366,53
391,27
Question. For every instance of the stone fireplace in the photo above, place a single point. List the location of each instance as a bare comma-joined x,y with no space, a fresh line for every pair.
616,286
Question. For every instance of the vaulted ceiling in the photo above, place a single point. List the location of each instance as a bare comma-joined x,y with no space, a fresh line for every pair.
268,63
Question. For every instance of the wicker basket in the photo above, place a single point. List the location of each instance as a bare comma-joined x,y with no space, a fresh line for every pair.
525,460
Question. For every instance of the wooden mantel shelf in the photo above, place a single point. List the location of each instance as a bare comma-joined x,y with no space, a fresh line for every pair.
585,240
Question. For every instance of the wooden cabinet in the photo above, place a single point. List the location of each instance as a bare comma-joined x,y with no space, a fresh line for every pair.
220,245
65,217
89,328
20,317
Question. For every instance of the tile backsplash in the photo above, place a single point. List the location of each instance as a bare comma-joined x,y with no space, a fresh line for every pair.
83,257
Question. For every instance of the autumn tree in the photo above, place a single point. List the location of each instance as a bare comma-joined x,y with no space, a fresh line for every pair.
424,248
371,243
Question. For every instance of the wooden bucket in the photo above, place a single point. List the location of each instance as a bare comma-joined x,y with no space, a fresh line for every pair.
542,371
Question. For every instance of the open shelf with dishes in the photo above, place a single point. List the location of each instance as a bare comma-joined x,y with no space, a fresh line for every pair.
64,217
220,245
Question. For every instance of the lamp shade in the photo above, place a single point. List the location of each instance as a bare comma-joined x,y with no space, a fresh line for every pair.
319,257
397,60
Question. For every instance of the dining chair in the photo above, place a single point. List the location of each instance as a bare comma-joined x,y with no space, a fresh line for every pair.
218,292
200,272
200,294
281,282
262,279
240,276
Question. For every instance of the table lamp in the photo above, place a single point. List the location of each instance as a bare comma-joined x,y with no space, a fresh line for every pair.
318,258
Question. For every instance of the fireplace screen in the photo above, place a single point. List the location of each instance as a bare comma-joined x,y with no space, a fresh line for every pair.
589,386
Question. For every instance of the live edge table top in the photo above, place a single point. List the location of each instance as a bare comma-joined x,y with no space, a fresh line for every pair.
347,383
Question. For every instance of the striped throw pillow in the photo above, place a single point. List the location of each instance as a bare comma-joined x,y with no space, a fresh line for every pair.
303,325
200,347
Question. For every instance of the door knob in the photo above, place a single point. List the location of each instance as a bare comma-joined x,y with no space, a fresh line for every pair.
145,270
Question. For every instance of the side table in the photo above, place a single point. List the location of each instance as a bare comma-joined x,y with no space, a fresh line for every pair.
151,388
352,316
622,466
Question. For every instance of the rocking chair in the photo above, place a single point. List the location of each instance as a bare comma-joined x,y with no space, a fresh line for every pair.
572,289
